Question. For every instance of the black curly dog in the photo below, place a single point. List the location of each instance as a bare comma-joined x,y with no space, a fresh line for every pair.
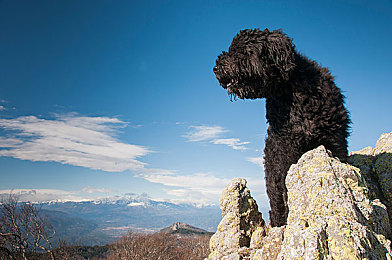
305,108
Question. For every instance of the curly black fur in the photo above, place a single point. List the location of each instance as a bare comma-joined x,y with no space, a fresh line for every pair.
305,108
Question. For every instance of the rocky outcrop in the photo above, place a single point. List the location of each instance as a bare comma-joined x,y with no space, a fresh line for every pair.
376,167
331,214
336,211
240,218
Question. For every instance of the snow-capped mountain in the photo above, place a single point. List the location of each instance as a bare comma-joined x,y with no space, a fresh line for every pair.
111,217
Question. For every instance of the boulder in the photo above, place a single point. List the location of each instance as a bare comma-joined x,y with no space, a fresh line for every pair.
336,211
376,167
331,215
240,218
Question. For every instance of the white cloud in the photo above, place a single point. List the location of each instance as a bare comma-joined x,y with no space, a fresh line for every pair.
234,143
71,139
42,195
91,190
257,160
9,142
257,184
196,188
203,133
193,197
206,189
199,181
211,134
258,192
2,108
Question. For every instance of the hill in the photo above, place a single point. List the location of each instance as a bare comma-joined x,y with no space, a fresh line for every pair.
185,229
99,222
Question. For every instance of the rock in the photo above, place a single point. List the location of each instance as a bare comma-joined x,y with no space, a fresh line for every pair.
384,144
383,165
256,241
336,211
376,166
240,217
330,213
267,247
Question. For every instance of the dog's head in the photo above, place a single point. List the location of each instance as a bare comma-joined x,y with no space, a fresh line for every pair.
256,64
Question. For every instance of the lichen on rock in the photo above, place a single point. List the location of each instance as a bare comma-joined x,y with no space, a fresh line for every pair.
330,213
383,165
268,246
336,211
376,167
240,217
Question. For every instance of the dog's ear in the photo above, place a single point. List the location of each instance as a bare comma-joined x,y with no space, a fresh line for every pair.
274,49
280,52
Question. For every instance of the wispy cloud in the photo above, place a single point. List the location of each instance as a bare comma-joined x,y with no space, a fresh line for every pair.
203,133
2,108
9,142
42,195
234,143
71,139
92,142
197,188
91,190
257,160
211,134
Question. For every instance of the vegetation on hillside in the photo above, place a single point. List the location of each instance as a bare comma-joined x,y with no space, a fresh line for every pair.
160,246
25,233
136,246
23,230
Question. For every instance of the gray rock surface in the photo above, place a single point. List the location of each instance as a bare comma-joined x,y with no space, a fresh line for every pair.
336,211
331,215
240,218
376,167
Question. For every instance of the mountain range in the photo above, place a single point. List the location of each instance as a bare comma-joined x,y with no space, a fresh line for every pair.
98,222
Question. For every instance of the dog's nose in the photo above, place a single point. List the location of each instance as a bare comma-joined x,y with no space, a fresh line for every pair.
215,69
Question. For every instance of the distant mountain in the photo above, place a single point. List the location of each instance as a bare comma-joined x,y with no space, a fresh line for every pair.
185,229
102,221
75,230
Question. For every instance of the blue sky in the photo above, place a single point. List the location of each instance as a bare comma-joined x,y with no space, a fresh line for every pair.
107,97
